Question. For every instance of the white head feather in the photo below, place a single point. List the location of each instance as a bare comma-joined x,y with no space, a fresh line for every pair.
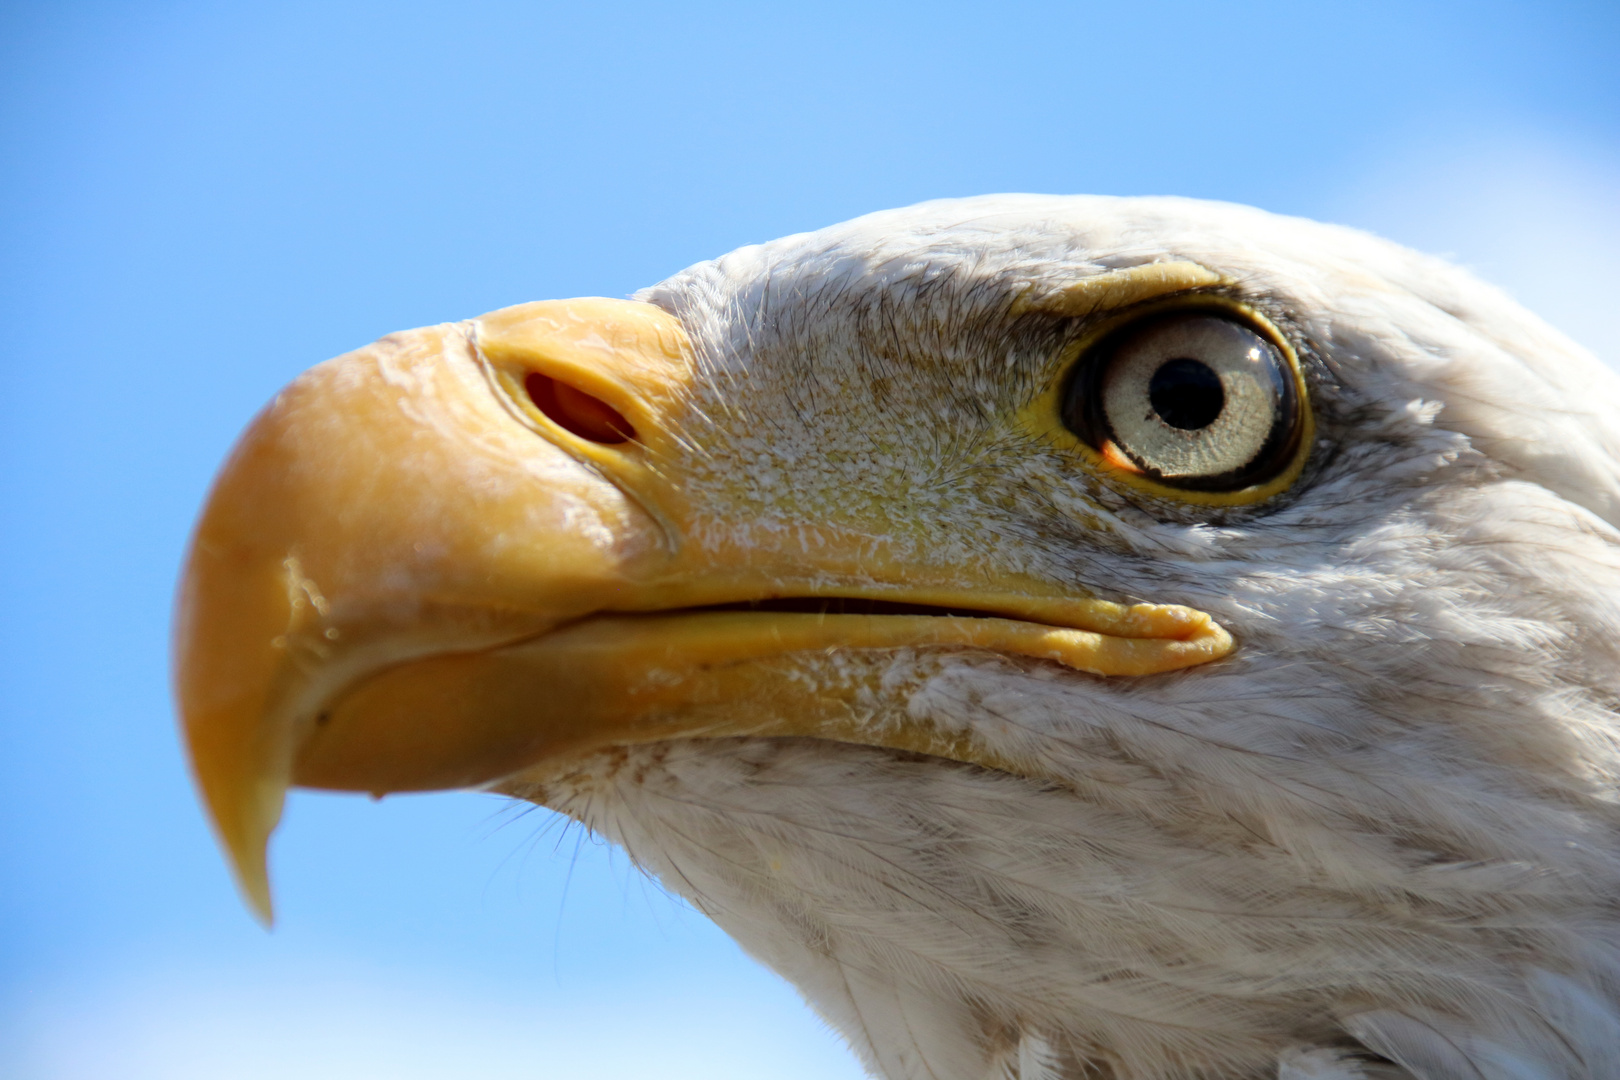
1380,840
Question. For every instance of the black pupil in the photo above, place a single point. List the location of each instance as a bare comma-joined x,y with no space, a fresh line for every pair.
1186,394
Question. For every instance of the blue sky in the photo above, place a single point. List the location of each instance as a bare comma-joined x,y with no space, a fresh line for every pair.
199,201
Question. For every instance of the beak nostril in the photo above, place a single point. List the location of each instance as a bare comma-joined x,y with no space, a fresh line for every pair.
586,416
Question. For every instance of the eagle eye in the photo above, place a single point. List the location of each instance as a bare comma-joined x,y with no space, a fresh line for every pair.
1198,400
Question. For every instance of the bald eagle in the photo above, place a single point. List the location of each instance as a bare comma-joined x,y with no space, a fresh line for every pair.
1127,639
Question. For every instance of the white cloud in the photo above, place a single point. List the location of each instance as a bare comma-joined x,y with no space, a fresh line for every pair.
320,1021
1534,212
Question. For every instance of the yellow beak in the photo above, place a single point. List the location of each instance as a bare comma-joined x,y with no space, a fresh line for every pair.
422,568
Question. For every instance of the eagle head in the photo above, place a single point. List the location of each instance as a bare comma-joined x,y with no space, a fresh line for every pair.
1130,639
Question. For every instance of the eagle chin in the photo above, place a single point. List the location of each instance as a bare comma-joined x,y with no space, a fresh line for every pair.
1130,639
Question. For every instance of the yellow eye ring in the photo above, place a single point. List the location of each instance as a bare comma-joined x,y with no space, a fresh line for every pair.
1194,442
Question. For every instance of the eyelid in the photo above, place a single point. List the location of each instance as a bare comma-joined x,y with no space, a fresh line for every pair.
1120,289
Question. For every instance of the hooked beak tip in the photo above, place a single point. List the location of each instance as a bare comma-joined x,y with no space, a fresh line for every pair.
253,878
244,814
